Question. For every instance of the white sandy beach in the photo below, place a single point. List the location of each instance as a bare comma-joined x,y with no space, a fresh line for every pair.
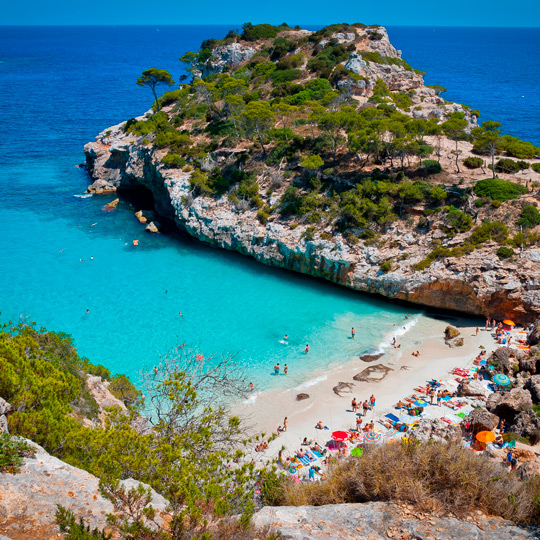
436,360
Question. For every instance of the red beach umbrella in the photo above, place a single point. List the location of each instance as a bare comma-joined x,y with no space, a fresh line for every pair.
340,436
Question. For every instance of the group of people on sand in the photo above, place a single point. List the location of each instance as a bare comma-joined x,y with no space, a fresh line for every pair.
366,406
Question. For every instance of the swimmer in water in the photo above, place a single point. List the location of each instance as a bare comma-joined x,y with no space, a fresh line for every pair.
251,386
285,337
353,332
87,311
155,370
285,369
306,350
180,313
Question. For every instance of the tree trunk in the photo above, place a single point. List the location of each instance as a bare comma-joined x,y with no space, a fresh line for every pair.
156,98
457,157
493,163
262,144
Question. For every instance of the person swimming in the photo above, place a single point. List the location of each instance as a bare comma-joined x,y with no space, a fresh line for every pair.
306,350
276,369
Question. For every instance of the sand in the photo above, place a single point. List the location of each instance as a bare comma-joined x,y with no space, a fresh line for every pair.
395,378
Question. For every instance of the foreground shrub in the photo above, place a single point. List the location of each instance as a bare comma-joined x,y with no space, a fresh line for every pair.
434,477
473,162
499,190
505,252
12,451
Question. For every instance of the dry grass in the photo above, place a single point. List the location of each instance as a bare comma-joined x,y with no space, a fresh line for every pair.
441,478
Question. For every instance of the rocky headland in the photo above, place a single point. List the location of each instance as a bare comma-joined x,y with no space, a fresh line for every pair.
389,260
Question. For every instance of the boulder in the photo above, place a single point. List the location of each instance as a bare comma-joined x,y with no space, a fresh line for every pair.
5,407
29,498
370,357
534,334
101,186
472,388
380,521
152,227
527,424
451,332
3,424
504,359
434,429
528,362
301,397
533,386
456,342
112,205
145,216
508,404
482,420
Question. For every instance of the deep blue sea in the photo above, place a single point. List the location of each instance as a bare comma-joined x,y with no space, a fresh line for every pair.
61,255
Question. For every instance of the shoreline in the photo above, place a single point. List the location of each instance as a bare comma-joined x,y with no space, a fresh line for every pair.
396,375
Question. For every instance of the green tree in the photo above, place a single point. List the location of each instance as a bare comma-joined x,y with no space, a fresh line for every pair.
454,129
312,163
258,120
284,113
488,137
153,78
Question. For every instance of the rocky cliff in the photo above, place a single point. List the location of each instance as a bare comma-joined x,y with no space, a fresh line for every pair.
478,283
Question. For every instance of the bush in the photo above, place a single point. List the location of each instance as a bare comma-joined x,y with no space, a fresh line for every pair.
74,529
12,450
505,252
432,166
495,230
536,167
386,266
459,220
499,190
473,162
518,148
285,75
506,165
430,477
259,31
173,161
529,217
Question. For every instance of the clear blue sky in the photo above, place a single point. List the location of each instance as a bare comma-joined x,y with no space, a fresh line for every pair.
386,12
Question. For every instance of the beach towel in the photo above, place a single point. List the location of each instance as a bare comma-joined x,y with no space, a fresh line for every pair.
317,454
392,417
462,415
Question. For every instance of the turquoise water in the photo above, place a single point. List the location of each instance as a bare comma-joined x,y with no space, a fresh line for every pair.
59,88
229,303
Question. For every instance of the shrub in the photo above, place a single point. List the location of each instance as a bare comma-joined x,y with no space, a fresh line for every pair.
518,148
12,450
499,190
495,230
429,476
505,252
529,217
432,166
473,162
459,220
506,165
536,167
76,529
259,31
285,75
386,266
173,161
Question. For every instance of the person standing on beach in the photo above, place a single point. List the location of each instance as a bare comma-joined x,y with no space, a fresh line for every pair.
276,369
477,330
353,333
439,397
488,323
354,405
365,407
285,370
431,395
372,401
285,422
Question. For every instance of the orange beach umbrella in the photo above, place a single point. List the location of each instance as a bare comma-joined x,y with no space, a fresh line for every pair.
509,322
485,436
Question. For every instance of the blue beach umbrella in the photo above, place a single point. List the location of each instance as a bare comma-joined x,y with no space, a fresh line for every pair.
420,403
501,380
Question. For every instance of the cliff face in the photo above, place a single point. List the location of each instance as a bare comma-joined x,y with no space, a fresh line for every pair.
478,283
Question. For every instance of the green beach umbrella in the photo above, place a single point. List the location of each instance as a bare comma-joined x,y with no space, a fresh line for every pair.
357,452
501,380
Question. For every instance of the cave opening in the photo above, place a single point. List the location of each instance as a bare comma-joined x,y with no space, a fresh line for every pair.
139,196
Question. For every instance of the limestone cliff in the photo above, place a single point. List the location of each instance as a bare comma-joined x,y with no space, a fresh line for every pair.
478,283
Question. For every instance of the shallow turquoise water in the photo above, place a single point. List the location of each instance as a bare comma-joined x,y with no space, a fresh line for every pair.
229,303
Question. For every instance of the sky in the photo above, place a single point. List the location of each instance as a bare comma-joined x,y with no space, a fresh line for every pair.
494,13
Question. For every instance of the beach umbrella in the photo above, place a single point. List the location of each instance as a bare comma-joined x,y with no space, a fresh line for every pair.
501,379
420,403
340,436
485,436
508,322
357,452
372,437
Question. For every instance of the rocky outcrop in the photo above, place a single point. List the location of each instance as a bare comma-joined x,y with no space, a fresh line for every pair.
227,56
482,420
472,388
29,498
533,386
534,334
434,429
508,404
5,408
478,283
505,360
381,521
527,424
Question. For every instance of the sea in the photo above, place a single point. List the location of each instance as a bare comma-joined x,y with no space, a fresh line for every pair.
70,266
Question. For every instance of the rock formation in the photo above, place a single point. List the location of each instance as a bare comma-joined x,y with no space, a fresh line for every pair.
381,521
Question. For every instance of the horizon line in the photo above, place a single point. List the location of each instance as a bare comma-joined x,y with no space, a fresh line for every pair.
233,24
